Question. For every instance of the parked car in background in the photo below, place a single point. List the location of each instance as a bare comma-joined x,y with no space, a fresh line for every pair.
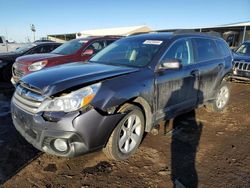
8,59
122,92
5,46
75,50
241,67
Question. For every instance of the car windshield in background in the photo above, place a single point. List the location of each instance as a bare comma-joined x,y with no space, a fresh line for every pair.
244,49
69,47
127,52
24,48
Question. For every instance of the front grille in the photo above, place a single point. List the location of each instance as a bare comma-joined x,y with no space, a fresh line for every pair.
242,66
27,99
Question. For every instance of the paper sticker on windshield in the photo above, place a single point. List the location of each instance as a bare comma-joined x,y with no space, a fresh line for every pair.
154,42
82,41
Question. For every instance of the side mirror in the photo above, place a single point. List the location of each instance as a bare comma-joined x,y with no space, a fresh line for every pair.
171,64
88,52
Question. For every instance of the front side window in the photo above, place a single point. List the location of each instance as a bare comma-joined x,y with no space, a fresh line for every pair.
205,49
129,52
96,46
244,49
25,48
182,50
70,47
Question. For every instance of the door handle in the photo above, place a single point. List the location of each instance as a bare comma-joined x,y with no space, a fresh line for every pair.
194,73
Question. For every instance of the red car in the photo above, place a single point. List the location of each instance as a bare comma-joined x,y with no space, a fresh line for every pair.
72,51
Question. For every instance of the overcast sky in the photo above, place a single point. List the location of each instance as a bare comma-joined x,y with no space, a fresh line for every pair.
64,16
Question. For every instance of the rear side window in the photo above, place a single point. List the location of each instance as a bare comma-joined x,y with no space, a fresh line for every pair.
1,40
223,48
205,49
182,50
108,42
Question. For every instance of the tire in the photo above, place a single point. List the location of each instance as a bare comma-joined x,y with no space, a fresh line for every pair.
221,99
125,138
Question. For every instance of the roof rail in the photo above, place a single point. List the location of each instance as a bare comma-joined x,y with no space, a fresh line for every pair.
113,36
192,31
141,33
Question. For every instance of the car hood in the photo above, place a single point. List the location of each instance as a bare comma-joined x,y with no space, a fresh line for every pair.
241,57
60,78
36,57
10,56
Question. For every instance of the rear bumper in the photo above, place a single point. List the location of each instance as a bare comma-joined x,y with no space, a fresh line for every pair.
84,132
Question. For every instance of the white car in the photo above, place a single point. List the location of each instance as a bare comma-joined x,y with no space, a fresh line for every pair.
8,47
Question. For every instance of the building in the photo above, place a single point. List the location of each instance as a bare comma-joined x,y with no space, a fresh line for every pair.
234,34
121,31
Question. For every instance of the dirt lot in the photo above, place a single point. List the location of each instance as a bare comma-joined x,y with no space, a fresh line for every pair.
203,149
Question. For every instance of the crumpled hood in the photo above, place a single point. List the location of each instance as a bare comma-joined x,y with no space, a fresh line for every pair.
240,57
36,57
59,78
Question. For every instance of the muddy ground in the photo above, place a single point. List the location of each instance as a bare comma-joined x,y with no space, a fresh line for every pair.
203,149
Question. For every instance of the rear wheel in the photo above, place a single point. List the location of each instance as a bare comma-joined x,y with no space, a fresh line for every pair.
221,100
127,136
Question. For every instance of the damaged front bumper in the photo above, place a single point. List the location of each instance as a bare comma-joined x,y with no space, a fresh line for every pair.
82,132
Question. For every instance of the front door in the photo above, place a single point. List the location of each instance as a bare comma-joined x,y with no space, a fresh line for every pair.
177,90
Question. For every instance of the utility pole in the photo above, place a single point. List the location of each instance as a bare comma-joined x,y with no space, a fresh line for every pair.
33,29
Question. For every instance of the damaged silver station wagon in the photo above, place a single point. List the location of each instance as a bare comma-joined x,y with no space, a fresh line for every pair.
121,93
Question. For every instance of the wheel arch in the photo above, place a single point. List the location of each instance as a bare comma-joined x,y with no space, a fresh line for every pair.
146,109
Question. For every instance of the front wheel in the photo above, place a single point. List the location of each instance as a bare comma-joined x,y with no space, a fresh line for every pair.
127,136
221,100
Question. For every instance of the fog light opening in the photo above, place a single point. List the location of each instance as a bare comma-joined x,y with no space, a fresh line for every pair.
61,145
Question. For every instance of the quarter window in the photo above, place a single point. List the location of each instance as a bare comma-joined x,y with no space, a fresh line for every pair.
223,48
182,50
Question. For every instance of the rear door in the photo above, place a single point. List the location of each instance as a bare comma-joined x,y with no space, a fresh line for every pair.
210,65
177,90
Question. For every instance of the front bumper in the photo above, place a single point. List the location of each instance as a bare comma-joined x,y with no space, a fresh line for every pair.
241,70
241,75
84,132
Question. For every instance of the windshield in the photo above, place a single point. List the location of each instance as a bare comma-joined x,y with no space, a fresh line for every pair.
129,52
244,49
69,47
24,48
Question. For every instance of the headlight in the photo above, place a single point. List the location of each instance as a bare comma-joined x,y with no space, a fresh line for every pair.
37,65
72,101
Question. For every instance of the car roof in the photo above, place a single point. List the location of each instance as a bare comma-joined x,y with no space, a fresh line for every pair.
171,35
46,43
99,37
